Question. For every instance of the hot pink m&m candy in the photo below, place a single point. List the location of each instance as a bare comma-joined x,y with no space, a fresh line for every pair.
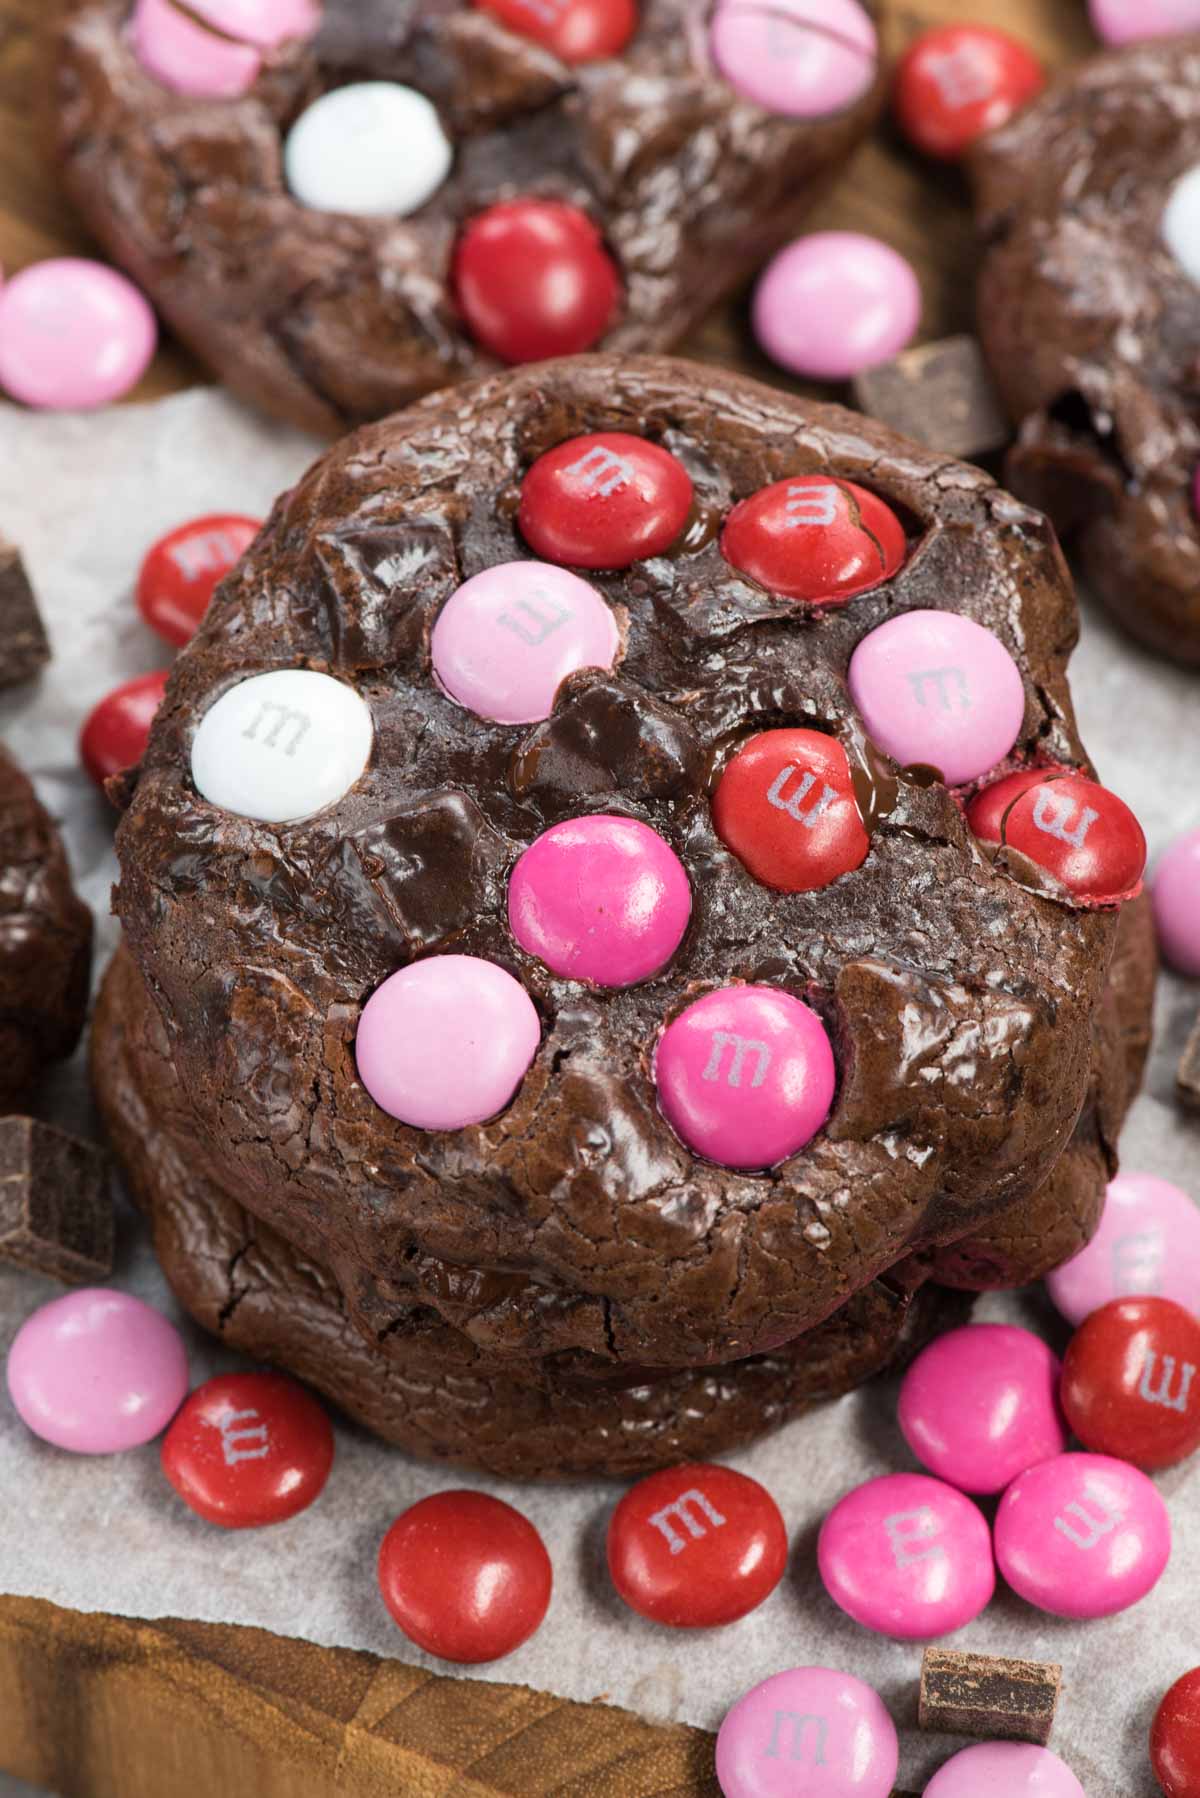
835,303
1082,1535
745,1075
182,55
97,1371
1130,21
804,59
601,899
507,639
1148,1244
446,1042
812,1731
980,1405
1177,903
1004,1770
73,335
907,1556
937,688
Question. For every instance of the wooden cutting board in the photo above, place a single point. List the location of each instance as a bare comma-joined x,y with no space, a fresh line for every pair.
108,1707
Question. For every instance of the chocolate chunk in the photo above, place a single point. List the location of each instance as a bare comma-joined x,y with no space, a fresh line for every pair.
988,1696
941,395
1188,1077
56,1213
24,646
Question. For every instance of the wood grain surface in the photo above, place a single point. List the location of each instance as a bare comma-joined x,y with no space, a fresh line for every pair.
106,1707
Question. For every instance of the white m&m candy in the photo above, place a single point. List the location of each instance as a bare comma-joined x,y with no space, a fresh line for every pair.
375,149
281,746
1181,223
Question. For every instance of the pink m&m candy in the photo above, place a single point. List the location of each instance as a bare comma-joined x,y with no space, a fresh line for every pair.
446,1042
1129,21
73,334
601,899
1177,903
834,303
1004,1770
937,688
1082,1535
745,1075
505,641
97,1371
1148,1245
907,1556
980,1405
182,55
812,1731
267,23
804,59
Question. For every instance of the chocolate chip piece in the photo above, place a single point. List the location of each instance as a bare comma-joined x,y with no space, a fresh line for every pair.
24,646
988,1696
941,395
1188,1077
56,1212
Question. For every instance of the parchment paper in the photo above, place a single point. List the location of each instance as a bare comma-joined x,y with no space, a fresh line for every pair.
84,497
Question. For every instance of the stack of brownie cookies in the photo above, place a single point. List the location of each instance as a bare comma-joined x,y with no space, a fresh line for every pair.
582,998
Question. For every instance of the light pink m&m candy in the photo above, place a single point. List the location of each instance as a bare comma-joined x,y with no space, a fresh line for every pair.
1148,1244
1004,1770
1177,903
835,303
181,55
1130,21
937,688
1082,1535
745,1075
97,1371
601,899
73,334
812,1731
505,641
907,1556
980,1405
446,1042
803,59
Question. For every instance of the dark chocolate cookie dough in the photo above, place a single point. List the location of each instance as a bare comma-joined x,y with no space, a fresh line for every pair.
45,942
330,319
962,1006
1092,325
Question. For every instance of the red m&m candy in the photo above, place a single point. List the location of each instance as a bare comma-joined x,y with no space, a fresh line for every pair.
987,810
815,539
1129,1385
1082,835
465,1576
248,1449
1175,1739
574,30
182,571
958,81
604,501
785,806
116,731
697,1545
534,279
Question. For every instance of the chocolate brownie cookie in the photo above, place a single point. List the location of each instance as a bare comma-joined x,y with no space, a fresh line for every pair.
45,942
426,1386
562,956
341,221
1089,311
